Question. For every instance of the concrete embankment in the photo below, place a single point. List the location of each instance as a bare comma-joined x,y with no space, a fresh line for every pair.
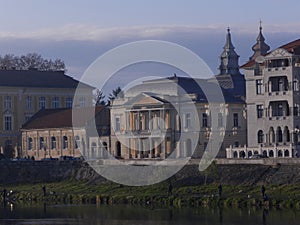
236,172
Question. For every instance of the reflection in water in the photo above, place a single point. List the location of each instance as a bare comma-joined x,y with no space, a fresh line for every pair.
128,215
221,215
264,216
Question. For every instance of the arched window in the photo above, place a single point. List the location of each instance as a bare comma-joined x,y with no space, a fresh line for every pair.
271,153
29,143
242,154
286,153
279,153
65,142
272,135
235,154
53,143
260,136
77,142
41,142
249,154
265,153
279,134
286,134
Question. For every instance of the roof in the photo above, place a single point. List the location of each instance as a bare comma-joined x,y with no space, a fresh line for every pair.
290,47
57,118
233,88
35,78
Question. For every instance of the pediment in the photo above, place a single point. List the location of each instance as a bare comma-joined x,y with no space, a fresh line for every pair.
279,52
144,100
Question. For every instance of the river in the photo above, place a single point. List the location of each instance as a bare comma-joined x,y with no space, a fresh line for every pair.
135,215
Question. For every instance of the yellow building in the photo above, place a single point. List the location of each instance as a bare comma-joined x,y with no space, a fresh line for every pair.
24,92
51,133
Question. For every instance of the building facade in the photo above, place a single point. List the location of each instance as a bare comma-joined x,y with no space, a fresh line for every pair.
51,133
272,97
156,119
23,93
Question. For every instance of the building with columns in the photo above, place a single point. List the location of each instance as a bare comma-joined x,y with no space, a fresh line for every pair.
272,98
155,119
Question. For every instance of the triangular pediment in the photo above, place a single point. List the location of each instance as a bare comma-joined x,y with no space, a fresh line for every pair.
145,99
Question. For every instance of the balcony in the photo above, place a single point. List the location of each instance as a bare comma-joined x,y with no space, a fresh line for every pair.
278,71
145,133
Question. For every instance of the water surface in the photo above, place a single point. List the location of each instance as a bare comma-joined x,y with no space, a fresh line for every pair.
135,215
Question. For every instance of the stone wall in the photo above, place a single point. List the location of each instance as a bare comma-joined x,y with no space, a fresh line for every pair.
27,172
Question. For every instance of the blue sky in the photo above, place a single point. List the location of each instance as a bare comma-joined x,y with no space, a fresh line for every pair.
80,31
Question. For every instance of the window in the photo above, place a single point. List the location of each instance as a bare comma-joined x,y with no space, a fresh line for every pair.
296,110
7,102
42,102
29,146
187,120
235,119
69,102
55,102
27,117
204,120
259,110
220,120
280,109
278,134
65,142
53,143
260,136
41,142
81,102
28,103
280,84
77,142
117,124
259,87
295,85
7,122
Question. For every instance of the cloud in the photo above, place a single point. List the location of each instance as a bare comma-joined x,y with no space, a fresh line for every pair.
85,32
80,44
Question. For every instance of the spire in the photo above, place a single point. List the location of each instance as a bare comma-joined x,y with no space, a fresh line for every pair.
229,58
260,48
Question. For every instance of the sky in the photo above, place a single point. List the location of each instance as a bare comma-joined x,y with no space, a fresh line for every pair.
80,31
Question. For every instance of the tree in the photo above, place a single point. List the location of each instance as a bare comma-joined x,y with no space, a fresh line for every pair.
31,61
99,98
116,93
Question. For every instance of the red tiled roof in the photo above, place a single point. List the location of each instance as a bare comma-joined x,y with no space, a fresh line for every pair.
289,47
57,118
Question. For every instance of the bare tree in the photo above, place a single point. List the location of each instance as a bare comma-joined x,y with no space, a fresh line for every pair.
116,93
99,98
31,61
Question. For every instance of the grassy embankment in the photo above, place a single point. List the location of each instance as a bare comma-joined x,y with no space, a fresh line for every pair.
75,192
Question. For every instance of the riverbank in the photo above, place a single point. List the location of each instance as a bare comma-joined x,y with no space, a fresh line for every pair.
78,192
77,183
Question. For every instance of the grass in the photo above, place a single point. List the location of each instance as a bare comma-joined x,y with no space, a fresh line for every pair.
80,192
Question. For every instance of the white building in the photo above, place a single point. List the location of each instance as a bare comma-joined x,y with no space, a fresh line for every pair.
272,98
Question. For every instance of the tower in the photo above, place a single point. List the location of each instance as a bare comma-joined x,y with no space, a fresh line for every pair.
229,58
260,48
